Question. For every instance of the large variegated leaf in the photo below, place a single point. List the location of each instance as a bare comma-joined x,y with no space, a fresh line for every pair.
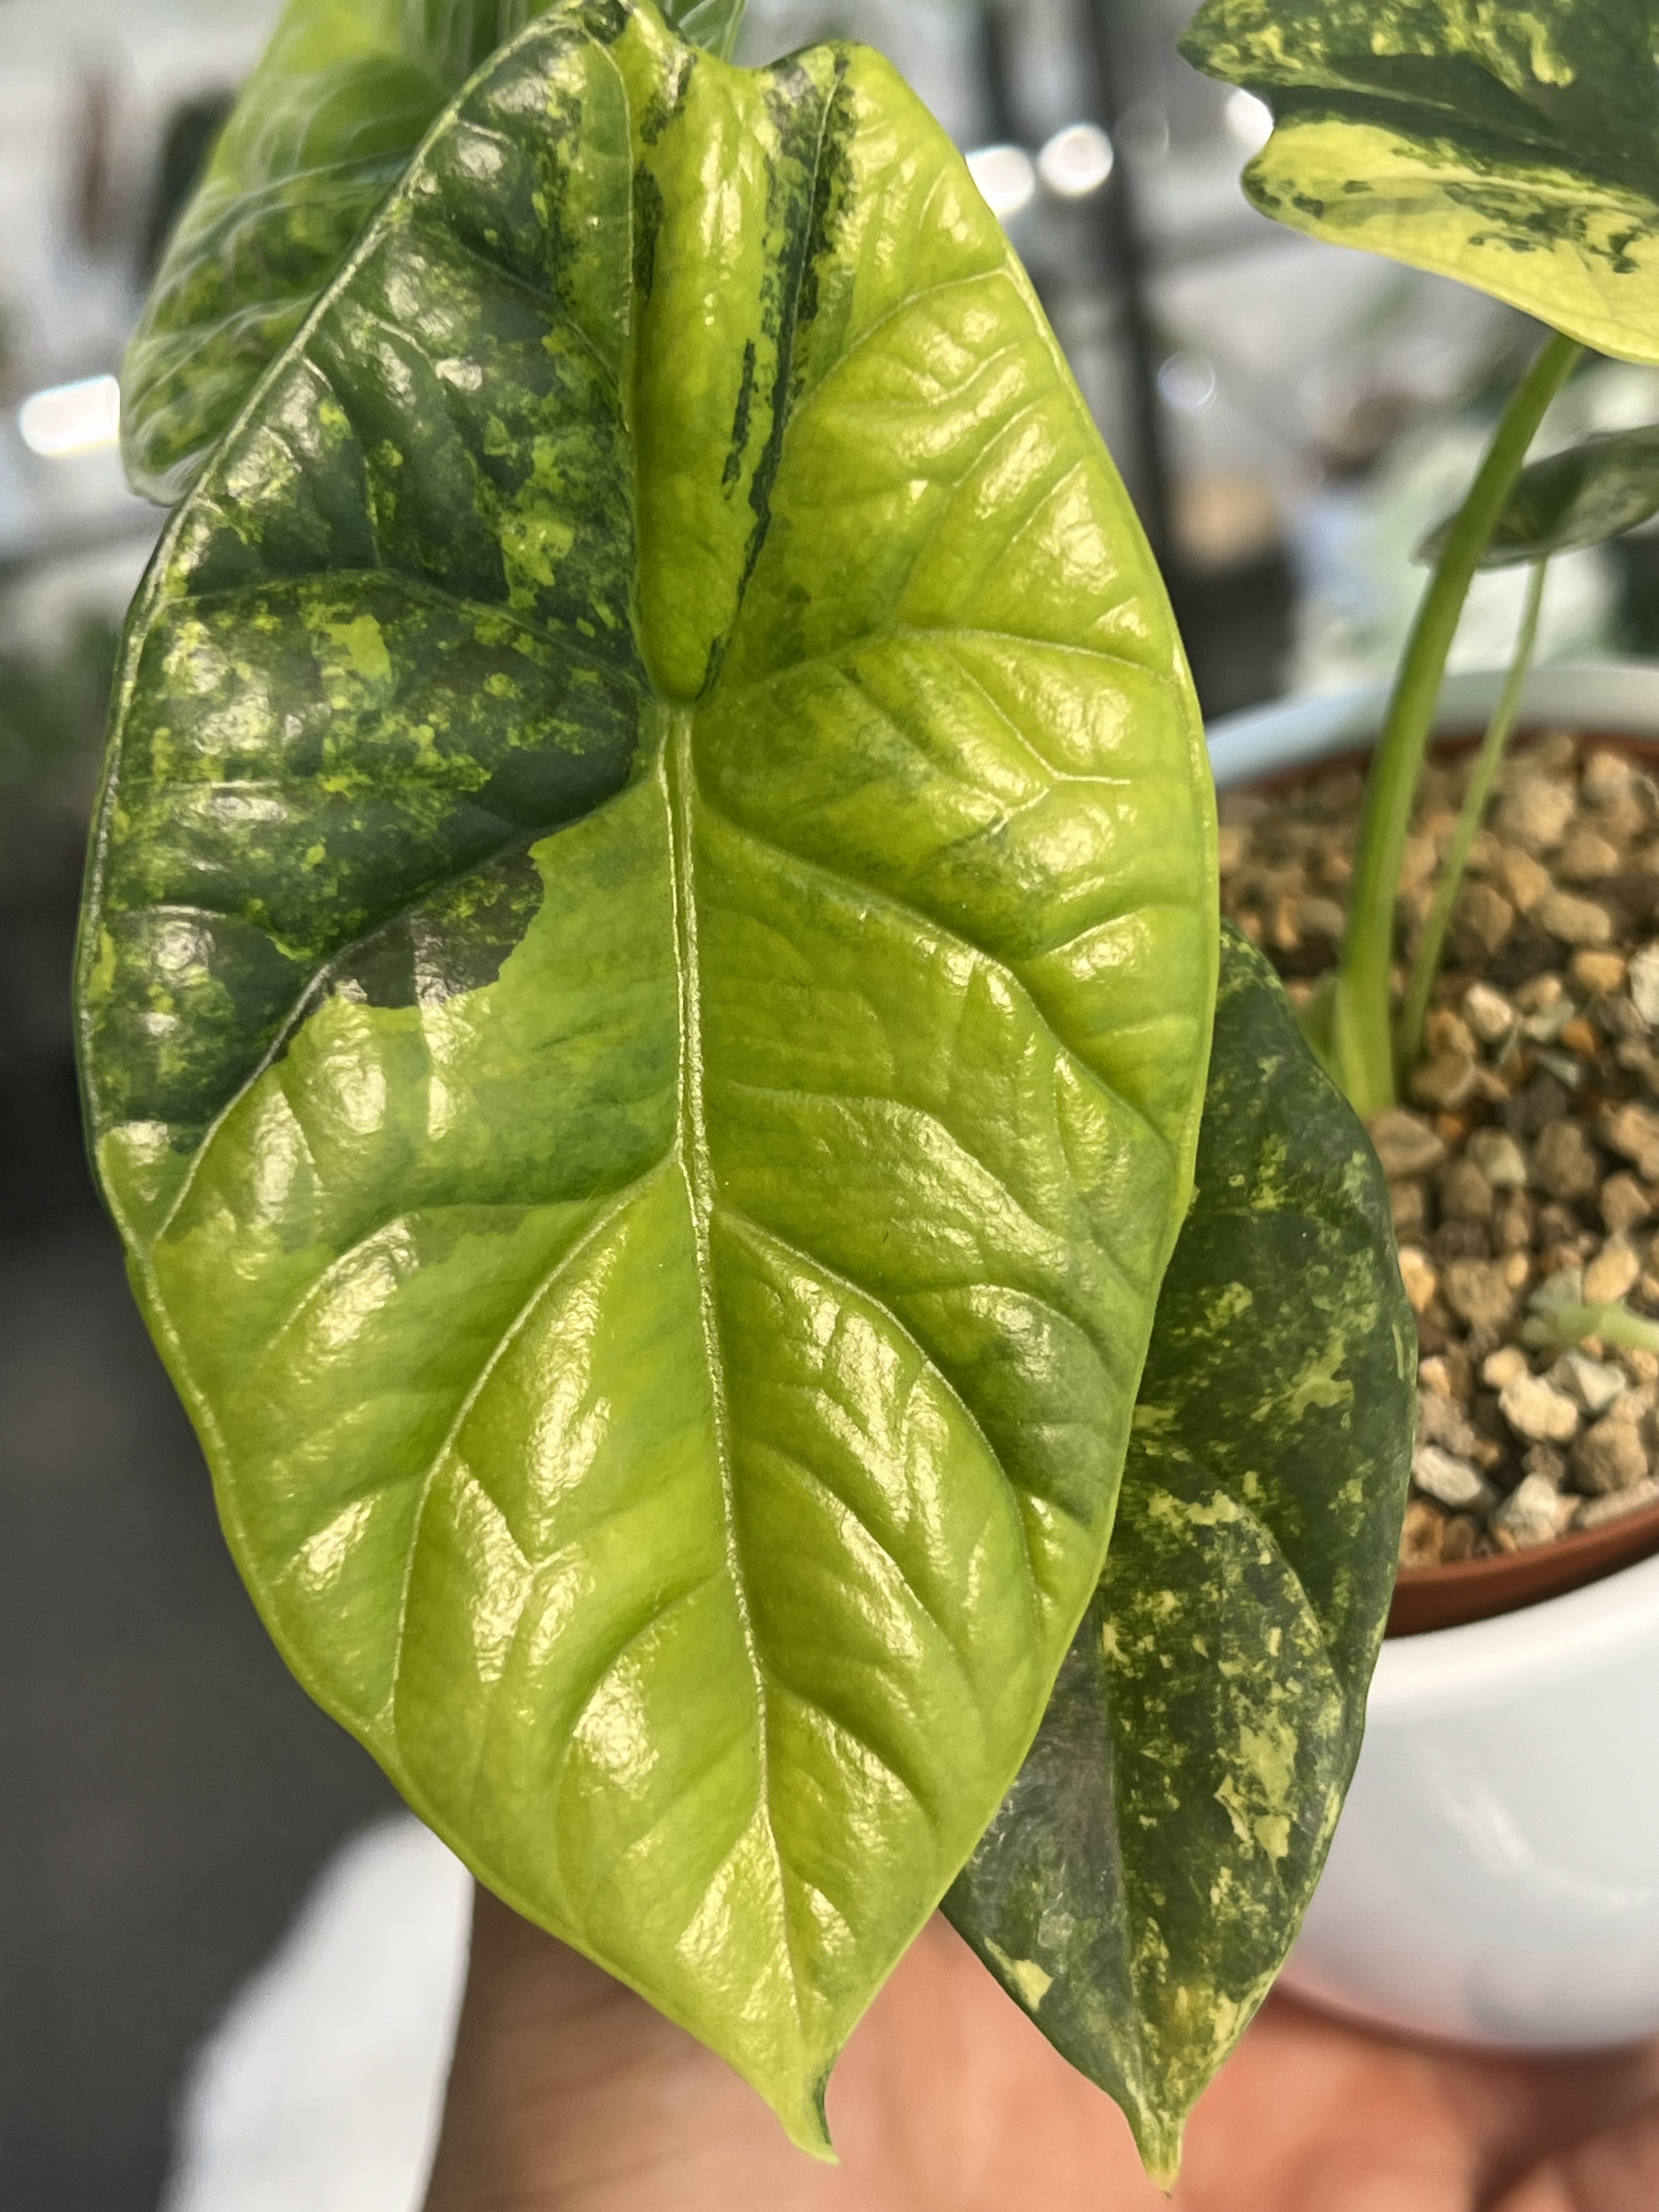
1514,147
322,129
645,1000
1144,1879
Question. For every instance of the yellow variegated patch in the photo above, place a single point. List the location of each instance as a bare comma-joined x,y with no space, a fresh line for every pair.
1515,149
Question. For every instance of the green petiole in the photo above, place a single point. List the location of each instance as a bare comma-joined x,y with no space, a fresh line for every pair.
1426,965
1362,1030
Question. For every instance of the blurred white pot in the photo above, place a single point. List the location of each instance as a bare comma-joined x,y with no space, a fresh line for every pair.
1495,1876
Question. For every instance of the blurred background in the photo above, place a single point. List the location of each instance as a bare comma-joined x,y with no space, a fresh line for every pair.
1290,420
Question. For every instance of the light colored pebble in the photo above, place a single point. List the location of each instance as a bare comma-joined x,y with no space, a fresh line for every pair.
1532,1514
1597,1512
1422,1535
1552,752
1567,1071
1229,848
1596,1383
1636,1054
1644,984
1632,1131
1539,991
1408,1203
1514,1222
1462,1538
1441,1474
1488,1013
1575,920
1484,918
1610,1457
1503,1366
1534,1409
1586,858
1449,1032
1544,1461
1498,1157
1550,1017
1603,973
1480,1291
1612,1272
1435,1373
1320,917
1525,881
1562,1286
1465,1193
1417,862
1406,1143
1625,1204
1419,1276
1564,1162
1536,814
1447,1081
1605,774
1442,1421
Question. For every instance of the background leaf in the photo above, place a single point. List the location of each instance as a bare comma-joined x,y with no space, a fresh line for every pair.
1583,496
1143,1881
644,1004
324,127
1514,148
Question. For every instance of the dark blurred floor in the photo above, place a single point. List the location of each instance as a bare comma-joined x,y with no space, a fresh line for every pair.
167,1791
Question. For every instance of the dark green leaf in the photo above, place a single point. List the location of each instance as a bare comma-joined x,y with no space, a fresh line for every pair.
1513,147
323,128
1581,497
1140,1887
645,1000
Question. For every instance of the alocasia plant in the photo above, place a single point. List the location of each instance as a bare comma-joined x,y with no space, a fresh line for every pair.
1517,149
645,1000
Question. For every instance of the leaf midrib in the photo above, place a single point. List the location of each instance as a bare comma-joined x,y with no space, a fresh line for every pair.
677,774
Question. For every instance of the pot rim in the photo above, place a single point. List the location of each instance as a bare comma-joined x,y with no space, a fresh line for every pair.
1620,698
1495,1659
1608,697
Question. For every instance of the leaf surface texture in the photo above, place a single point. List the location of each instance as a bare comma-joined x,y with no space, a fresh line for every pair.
1516,148
644,1001
1144,1879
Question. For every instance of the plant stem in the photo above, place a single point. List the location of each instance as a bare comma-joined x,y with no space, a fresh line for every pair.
1427,964
1363,1030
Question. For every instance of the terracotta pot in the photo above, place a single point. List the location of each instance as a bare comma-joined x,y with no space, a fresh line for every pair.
1495,1875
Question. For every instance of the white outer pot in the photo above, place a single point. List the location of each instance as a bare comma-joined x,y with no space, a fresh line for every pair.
1495,1876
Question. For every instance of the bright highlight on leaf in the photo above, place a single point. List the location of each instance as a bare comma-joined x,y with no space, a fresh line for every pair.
646,995
1140,1887
1516,148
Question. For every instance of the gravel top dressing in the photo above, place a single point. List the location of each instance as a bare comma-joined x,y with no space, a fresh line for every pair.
1525,1172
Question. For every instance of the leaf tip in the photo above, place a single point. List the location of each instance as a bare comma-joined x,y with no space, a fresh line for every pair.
799,2106
1159,2142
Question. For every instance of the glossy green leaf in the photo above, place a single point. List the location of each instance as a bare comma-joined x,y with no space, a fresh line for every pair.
1580,497
1516,148
645,1002
324,127
1144,1879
